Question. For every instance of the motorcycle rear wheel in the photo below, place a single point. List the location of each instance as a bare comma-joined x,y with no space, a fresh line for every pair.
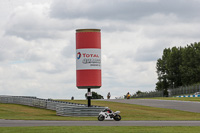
101,117
117,118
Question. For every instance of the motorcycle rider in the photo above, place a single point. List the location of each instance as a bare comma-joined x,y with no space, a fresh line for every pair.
128,95
108,96
109,111
108,114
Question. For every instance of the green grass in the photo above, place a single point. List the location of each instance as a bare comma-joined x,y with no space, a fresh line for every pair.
139,112
97,129
192,99
21,112
128,112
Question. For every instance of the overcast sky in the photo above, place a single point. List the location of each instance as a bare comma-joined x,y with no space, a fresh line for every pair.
37,43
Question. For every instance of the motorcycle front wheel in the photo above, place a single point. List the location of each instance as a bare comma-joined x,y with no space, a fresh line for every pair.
117,118
101,117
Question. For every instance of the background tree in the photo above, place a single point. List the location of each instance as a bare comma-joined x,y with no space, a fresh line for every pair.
138,92
178,67
162,70
190,68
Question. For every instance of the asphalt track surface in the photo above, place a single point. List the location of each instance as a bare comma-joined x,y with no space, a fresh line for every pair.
31,123
169,104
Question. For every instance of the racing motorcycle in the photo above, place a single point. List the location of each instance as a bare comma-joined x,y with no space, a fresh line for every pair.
108,114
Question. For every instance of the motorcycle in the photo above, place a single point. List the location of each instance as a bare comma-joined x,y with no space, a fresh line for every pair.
107,114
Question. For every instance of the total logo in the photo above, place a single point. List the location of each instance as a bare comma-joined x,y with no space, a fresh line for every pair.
78,55
85,55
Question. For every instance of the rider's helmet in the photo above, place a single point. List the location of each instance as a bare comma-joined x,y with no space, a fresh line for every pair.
108,110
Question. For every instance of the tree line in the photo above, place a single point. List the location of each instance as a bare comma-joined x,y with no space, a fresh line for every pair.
178,66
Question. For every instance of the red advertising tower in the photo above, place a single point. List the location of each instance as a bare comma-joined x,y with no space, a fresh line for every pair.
88,58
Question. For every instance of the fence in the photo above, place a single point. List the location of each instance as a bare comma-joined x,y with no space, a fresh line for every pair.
186,90
61,108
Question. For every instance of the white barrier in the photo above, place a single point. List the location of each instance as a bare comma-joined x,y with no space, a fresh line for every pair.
61,108
189,96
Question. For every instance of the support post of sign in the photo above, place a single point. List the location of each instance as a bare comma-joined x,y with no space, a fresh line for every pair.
89,98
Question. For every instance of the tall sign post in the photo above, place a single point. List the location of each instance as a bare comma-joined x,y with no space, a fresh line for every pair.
88,60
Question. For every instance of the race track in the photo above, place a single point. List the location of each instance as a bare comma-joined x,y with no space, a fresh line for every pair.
169,104
30,123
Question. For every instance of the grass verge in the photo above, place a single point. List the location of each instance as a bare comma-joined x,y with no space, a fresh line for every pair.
21,112
139,112
97,129
128,112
